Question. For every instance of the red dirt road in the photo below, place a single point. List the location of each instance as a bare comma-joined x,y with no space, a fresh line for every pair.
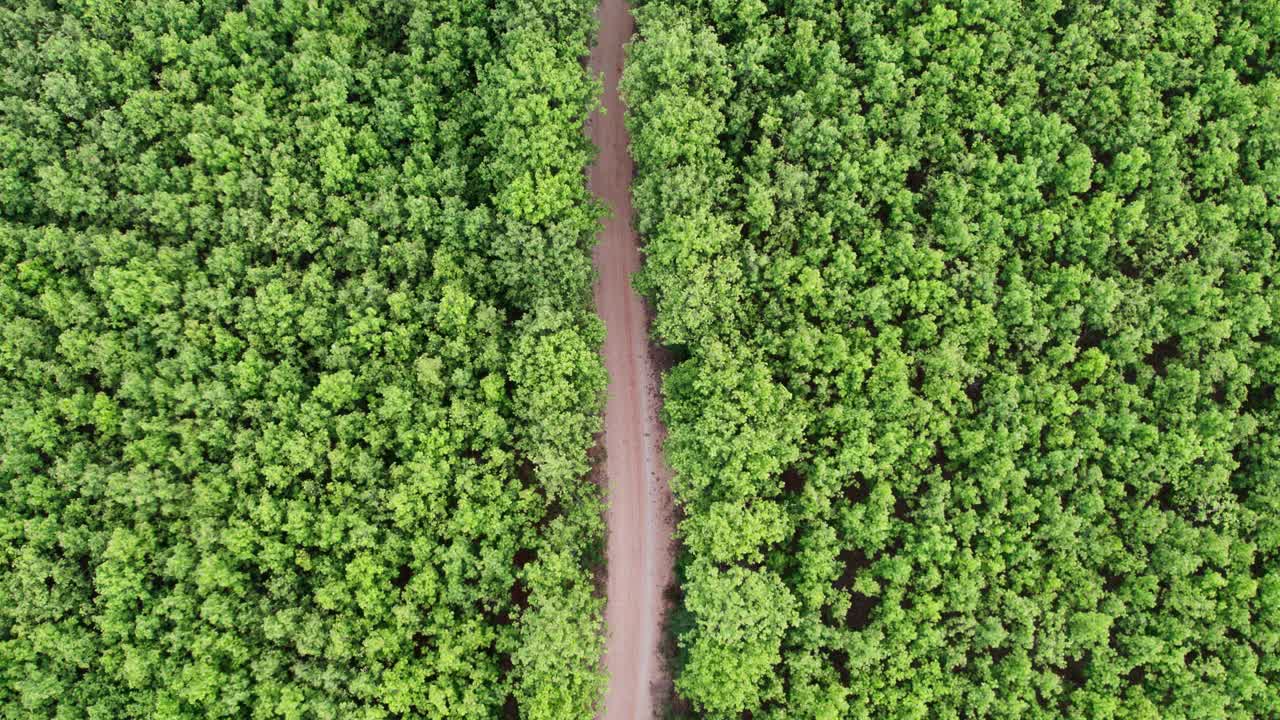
639,549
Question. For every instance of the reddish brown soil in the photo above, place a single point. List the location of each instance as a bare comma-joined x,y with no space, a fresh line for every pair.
639,549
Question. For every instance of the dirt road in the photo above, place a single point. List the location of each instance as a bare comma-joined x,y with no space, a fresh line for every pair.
639,550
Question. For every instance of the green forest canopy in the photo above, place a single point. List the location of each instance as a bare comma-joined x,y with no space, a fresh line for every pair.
978,302
297,365
977,299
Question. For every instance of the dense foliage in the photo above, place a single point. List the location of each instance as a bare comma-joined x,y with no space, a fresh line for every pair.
297,368
978,302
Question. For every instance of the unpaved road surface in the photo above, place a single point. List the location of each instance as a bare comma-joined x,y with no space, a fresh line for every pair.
639,549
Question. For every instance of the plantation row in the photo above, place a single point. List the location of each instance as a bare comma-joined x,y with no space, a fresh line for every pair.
297,365
978,307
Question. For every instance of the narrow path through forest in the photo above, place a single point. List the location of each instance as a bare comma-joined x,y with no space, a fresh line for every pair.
639,551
